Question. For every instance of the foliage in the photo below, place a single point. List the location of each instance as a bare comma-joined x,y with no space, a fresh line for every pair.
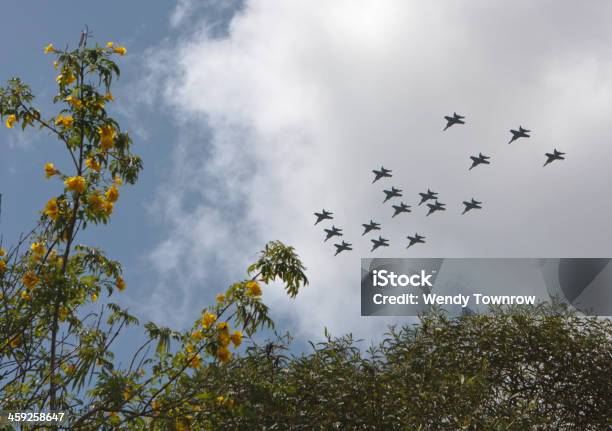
544,369
55,354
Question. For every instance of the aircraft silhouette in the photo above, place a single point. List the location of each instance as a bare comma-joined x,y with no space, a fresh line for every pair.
401,208
551,157
471,205
324,215
427,196
520,133
370,226
341,247
393,193
479,160
415,239
382,173
334,231
380,242
438,206
455,119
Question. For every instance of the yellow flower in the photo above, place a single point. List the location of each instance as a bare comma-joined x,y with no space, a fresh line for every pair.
93,164
112,194
99,104
120,284
2,266
63,313
236,338
2,252
66,79
253,288
222,326
74,101
126,394
223,338
94,297
30,280
66,121
118,181
107,136
50,170
55,64
108,97
220,399
38,248
197,335
220,298
76,184
110,44
49,48
10,121
121,50
15,342
97,202
108,208
223,354
26,296
195,361
52,209
208,319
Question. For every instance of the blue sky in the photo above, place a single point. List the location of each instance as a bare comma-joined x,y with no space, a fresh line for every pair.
250,121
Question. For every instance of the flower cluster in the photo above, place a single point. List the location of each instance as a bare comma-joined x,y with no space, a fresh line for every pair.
2,261
224,337
121,50
65,121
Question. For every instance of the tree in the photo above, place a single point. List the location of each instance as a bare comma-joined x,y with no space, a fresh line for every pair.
516,369
53,357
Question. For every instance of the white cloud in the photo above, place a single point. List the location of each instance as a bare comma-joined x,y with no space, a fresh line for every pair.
302,100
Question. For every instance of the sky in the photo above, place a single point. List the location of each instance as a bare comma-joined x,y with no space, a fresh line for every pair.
252,115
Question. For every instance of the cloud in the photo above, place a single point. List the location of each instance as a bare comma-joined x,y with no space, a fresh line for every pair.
293,109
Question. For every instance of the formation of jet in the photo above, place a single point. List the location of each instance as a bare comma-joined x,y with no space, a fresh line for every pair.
401,208
393,193
345,246
520,133
380,242
323,215
425,197
334,231
473,205
455,119
551,157
367,227
428,196
438,206
479,160
415,239
382,173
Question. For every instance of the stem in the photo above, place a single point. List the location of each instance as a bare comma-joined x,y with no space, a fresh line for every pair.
70,238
